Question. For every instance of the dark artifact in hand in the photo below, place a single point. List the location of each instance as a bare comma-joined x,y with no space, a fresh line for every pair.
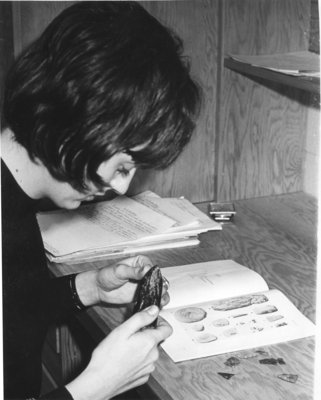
149,291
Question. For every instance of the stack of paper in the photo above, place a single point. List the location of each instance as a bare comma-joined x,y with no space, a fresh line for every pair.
124,225
299,63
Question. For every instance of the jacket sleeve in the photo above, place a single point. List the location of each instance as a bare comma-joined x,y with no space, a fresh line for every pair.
61,297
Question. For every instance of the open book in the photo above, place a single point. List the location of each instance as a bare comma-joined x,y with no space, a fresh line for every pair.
124,225
219,307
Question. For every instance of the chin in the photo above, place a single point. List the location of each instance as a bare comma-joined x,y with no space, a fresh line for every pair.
69,205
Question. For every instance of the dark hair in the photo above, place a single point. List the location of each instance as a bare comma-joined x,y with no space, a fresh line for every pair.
104,77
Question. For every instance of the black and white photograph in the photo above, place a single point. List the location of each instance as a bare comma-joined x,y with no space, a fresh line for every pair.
160,169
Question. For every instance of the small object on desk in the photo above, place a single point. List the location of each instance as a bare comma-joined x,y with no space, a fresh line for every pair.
262,352
225,375
272,361
292,378
149,291
221,212
246,355
232,362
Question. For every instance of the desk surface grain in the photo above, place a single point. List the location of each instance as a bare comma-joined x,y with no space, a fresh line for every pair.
275,236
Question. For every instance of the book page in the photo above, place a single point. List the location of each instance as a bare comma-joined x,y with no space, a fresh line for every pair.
210,280
100,225
239,323
180,209
170,209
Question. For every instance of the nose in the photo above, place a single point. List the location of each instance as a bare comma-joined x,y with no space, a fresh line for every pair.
121,182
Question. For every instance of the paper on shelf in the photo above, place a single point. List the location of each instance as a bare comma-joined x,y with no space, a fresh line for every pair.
300,63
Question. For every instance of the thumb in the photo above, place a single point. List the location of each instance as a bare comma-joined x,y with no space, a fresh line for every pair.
139,320
125,272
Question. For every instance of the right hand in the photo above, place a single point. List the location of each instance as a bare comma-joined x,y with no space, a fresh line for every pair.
123,360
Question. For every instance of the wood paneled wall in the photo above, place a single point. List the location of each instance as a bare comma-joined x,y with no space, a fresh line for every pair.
250,139
192,175
31,18
314,36
262,125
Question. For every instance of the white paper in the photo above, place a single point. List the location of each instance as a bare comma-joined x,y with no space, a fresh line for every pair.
122,225
166,207
105,253
224,330
211,280
99,225
302,63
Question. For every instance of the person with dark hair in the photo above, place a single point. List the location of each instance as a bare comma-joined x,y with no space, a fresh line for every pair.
103,91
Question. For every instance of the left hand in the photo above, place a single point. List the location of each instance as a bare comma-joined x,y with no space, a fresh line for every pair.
115,284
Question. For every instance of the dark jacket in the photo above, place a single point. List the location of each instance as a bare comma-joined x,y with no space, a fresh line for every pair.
31,299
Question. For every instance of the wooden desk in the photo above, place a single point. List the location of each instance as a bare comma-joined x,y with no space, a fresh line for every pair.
275,236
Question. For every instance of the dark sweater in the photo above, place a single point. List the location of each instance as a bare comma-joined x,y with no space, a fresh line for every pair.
31,299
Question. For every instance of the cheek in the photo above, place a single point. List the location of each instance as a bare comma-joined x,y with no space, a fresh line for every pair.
65,196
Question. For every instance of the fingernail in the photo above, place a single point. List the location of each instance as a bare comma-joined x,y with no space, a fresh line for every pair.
152,310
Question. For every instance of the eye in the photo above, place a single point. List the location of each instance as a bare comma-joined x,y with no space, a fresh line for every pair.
123,171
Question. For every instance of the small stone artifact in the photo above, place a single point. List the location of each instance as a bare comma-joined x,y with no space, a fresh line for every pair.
288,377
225,375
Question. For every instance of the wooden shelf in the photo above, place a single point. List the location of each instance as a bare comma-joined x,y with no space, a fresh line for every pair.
311,84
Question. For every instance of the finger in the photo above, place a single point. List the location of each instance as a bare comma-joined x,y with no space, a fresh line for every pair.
161,332
143,261
139,321
165,283
125,272
164,289
138,261
165,299
133,268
